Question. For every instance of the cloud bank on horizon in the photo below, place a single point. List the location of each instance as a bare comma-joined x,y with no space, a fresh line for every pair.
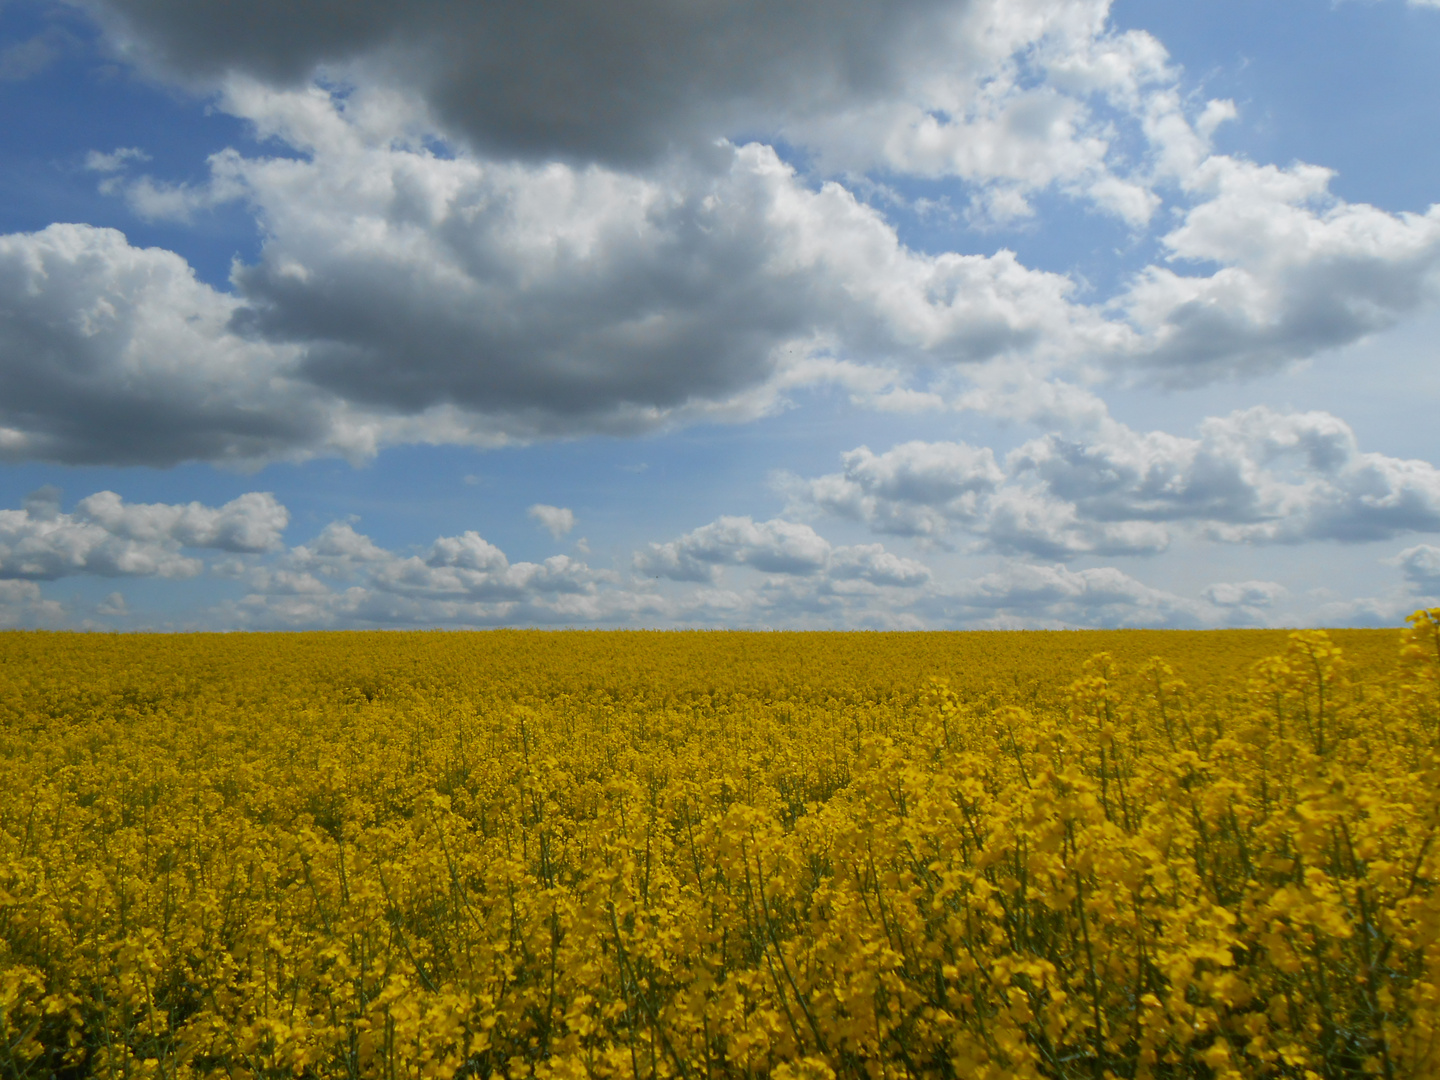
488,226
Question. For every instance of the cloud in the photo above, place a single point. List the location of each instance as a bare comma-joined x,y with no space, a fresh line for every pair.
485,226
26,59
118,355
1021,594
1300,271
557,78
1254,476
115,161
253,522
343,578
21,605
556,520
914,489
157,200
338,549
549,299
1255,594
108,537
1011,96
786,575
1420,566
626,84
406,296
773,547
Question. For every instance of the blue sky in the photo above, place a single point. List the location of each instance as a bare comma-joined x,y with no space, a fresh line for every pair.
938,313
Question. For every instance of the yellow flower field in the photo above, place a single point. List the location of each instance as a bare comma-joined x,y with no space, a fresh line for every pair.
703,855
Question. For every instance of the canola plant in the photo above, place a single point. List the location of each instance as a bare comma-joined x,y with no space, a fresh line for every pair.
635,855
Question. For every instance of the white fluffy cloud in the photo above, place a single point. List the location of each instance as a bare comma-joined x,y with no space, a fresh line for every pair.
106,536
1300,271
1420,566
732,572
21,605
1022,594
556,520
404,295
474,243
797,578
915,489
115,354
772,547
344,578
544,299
1252,594
1255,476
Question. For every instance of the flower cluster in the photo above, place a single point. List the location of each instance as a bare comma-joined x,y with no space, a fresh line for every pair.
721,855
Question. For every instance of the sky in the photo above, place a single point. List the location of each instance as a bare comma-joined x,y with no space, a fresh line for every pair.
928,314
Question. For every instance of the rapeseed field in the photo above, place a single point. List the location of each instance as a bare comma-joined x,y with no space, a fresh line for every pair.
707,855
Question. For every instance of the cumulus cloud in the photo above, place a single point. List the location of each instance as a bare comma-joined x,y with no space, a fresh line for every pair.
116,161
106,536
772,547
1023,594
1420,566
1255,594
1012,96
556,78
343,578
556,520
407,296
935,85
546,299
784,574
487,225
1254,476
21,605
115,354
914,489
338,549
1300,271
253,522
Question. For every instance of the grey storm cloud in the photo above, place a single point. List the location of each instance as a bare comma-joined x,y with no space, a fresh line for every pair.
547,79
